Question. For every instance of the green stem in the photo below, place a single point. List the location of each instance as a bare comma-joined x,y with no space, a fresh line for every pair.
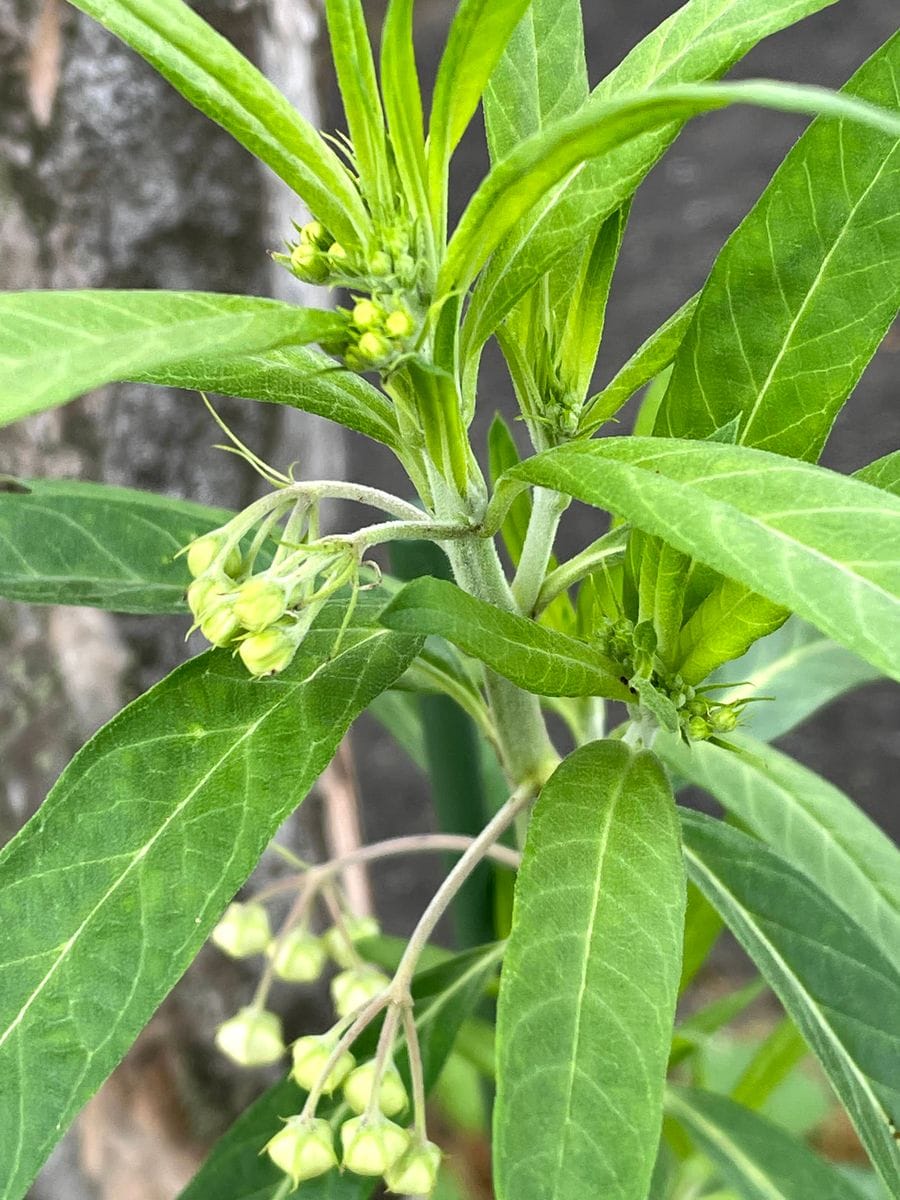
525,747
611,545
547,509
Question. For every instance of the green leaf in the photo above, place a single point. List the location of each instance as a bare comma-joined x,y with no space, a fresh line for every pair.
476,40
695,1031
399,713
804,290
503,454
587,993
533,172
753,1155
296,376
539,660
85,543
403,103
208,71
698,42
651,357
883,473
351,51
820,543
833,981
770,1066
807,820
702,926
179,794
794,671
56,345
445,996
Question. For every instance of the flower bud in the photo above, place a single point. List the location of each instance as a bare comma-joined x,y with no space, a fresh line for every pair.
252,1038
380,264
313,232
356,929
310,1057
203,552
220,626
373,347
699,729
406,268
200,594
268,652
724,719
243,930
366,314
337,252
309,263
352,989
372,1147
358,1085
416,1172
399,324
298,957
260,603
303,1149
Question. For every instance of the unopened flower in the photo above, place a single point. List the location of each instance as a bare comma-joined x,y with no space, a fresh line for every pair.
416,1172
303,1149
251,1038
268,652
371,1147
399,324
358,1086
220,626
352,989
339,941
298,956
310,1057
260,602
243,930
204,551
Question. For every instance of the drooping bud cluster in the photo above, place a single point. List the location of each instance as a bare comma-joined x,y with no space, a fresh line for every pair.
262,616
675,704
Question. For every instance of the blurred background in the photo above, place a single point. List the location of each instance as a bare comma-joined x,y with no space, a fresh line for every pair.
109,179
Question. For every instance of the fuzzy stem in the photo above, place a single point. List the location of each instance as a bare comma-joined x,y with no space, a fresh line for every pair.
546,512
611,545
416,1072
364,1018
459,873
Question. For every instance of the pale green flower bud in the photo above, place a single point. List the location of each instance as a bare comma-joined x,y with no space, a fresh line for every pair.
723,720
699,729
416,1173
358,1086
309,263
252,1038
366,314
220,626
303,1149
203,552
310,1057
201,594
406,268
313,232
268,652
243,931
260,603
399,324
357,929
380,264
298,957
337,252
352,989
373,347
372,1147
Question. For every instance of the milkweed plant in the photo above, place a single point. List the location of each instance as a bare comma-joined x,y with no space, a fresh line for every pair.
737,587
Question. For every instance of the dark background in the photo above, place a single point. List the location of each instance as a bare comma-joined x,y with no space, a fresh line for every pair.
108,179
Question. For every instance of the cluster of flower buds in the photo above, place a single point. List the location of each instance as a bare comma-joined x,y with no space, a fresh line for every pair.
381,330
316,257
694,713
264,616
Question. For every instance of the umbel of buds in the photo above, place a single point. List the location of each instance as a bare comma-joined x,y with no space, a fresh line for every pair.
371,1145
243,931
252,1038
303,1149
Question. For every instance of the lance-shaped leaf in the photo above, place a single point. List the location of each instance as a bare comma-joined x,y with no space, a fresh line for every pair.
802,816
299,377
804,290
826,546
477,37
794,672
86,543
839,988
883,473
754,1155
445,996
176,797
213,76
537,168
403,102
56,345
650,358
700,41
587,993
538,659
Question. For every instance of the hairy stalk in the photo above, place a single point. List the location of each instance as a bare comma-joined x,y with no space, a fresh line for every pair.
361,1021
416,1071
610,546
546,512
443,897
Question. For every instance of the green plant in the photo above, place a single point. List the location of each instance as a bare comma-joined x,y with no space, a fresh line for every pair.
726,528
